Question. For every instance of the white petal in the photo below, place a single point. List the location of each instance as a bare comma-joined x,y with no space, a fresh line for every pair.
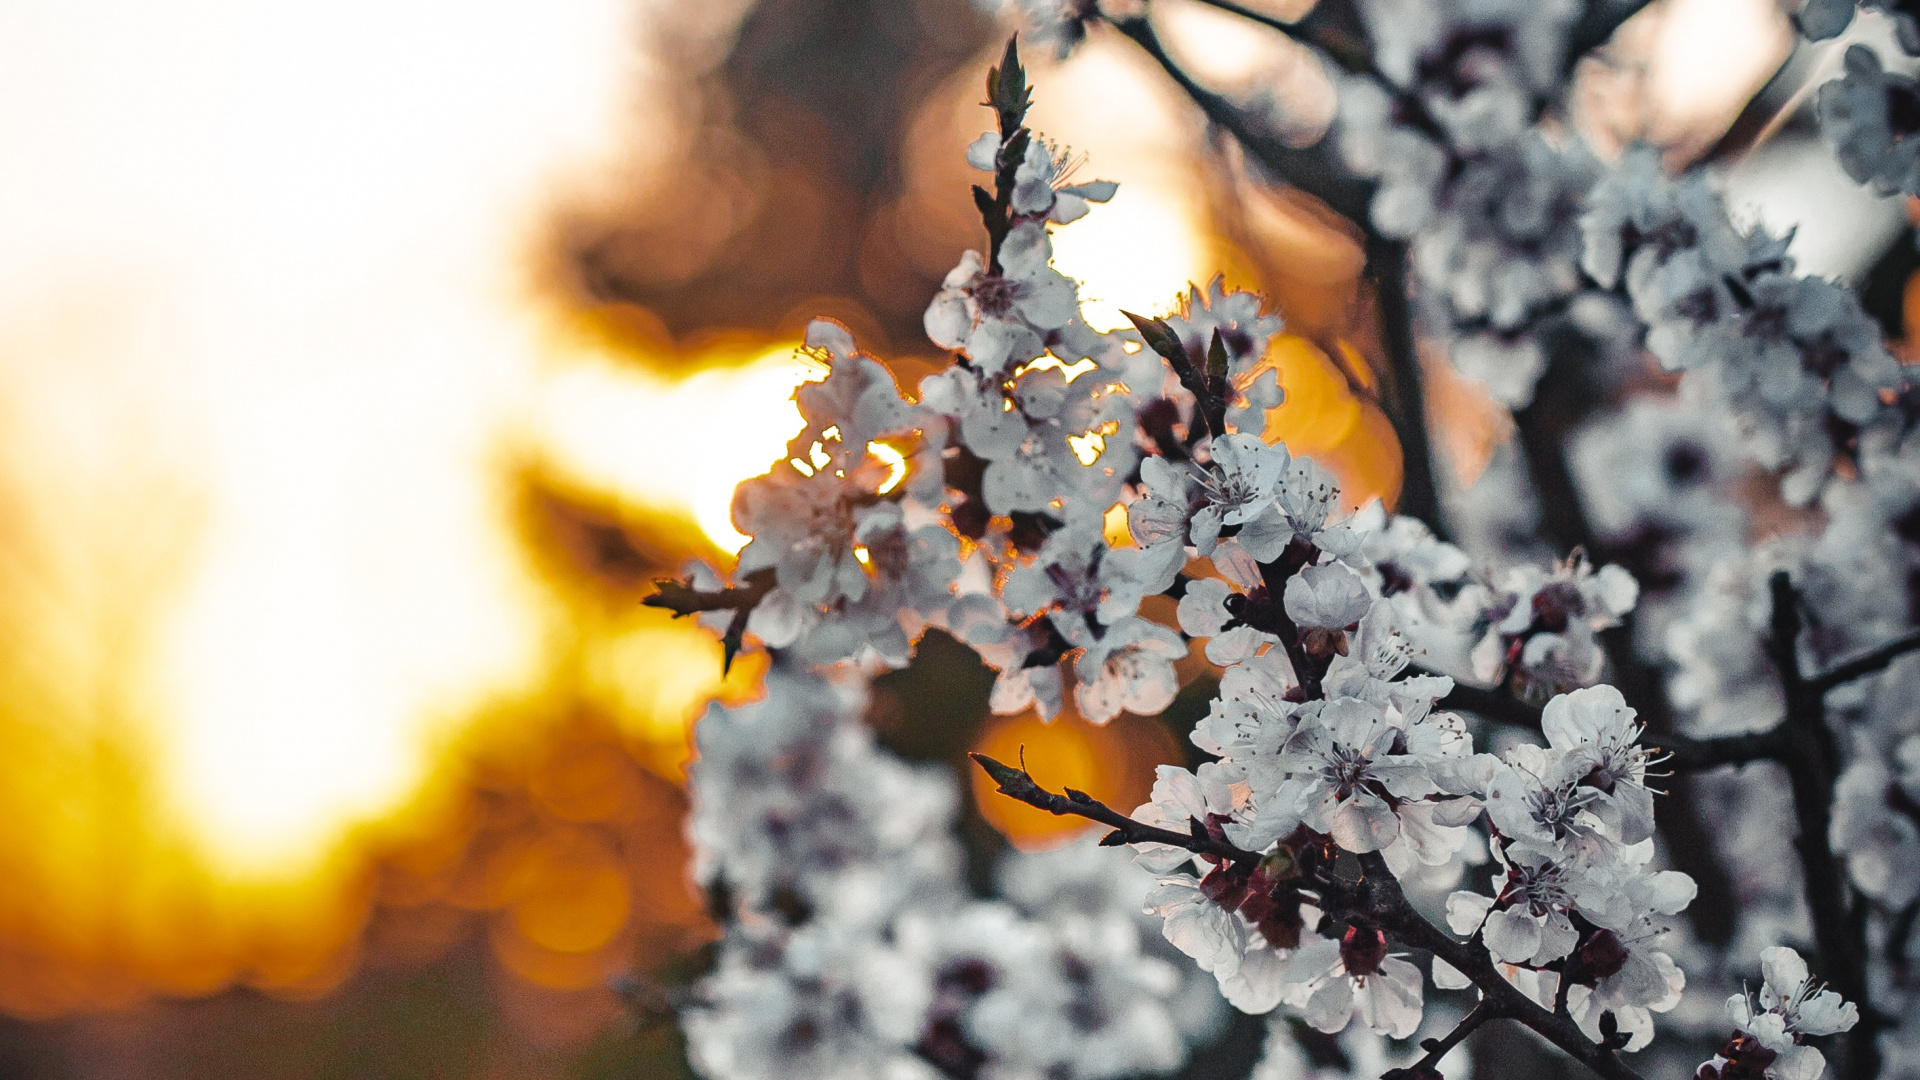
1466,911
1331,1006
1391,1002
1255,987
1026,251
1783,970
1797,1063
1448,977
1512,936
983,153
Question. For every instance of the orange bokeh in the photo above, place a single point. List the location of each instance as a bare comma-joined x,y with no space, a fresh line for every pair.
1113,763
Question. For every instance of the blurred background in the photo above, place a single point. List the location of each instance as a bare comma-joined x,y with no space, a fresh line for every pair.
361,366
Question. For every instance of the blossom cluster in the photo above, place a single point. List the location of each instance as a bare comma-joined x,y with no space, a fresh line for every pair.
1793,357
1453,126
1032,497
852,948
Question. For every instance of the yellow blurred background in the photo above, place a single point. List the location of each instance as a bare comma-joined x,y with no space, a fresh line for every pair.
362,364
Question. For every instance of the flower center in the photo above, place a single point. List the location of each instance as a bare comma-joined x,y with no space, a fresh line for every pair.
995,295
1346,770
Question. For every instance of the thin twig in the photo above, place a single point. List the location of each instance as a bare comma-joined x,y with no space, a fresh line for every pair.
1019,784
1311,169
1865,664
1429,1063
683,599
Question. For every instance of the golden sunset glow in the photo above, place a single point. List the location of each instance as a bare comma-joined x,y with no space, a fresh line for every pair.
276,358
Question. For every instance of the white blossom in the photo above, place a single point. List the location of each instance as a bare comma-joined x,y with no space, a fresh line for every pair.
1334,980
1790,1006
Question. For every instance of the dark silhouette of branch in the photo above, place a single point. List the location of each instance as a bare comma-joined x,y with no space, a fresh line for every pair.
1019,784
1811,758
1314,171
1596,26
1865,664
1686,755
683,599
1428,1067
1565,397
1403,396
1678,753
1311,169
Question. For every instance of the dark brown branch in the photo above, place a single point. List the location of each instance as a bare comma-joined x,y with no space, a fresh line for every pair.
1596,27
1865,664
683,599
1403,396
1311,169
1378,900
1811,757
1019,784
1678,753
1429,1063
1684,755
1565,397
1331,29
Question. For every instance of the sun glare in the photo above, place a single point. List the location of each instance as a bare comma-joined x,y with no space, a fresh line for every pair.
273,258
269,359
1142,249
674,445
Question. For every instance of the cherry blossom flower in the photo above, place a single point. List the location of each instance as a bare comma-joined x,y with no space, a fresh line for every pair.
1253,709
1596,730
1329,597
1204,612
1334,980
1769,1033
1001,320
1345,779
1622,975
1128,667
1867,115
1179,797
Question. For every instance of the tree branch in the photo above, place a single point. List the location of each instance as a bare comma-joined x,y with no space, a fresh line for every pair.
1429,1064
1811,758
683,599
1680,753
1684,755
1313,171
1405,399
1566,396
1596,26
1378,899
1019,784
1310,169
1865,664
